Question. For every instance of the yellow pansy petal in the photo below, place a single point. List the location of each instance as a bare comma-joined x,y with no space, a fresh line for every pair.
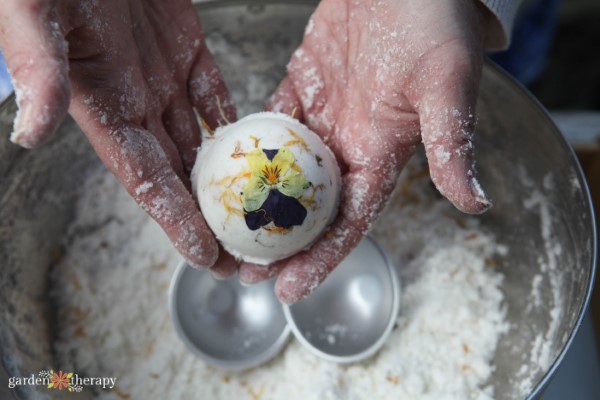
283,160
257,159
293,185
254,194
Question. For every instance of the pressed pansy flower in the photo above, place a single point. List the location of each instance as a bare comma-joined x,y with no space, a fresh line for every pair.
272,193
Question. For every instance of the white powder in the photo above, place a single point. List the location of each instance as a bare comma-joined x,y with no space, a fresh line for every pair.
110,290
542,353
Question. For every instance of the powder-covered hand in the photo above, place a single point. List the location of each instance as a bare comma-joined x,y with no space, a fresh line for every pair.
131,73
374,79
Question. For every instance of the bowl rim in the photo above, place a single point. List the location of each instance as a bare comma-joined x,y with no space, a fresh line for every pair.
376,346
544,114
233,365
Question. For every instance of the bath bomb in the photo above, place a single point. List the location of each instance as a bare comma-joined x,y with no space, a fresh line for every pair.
267,186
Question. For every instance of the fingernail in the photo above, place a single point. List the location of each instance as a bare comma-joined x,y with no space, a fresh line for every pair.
290,298
285,300
22,98
16,137
249,279
244,284
20,133
195,265
198,254
479,194
22,138
245,278
198,265
217,276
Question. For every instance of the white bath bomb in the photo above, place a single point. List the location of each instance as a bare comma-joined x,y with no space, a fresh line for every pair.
267,186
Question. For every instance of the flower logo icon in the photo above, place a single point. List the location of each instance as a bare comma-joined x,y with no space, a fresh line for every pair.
60,380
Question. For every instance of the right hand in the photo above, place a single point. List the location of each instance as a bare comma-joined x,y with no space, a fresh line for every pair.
375,79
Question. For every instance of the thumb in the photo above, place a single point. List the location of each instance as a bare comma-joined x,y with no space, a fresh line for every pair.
285,100
36,56
448,93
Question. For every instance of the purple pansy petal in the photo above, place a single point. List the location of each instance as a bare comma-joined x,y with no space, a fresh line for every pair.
256,219
270,153
284,211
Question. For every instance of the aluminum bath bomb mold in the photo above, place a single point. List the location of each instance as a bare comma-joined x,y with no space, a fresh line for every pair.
267,186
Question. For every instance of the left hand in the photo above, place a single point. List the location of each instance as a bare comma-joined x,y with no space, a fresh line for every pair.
132,73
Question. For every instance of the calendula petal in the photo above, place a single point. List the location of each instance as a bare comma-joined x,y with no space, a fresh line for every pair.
293,185
257,160
283,161
254,195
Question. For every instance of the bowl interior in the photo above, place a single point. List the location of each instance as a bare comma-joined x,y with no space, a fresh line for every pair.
543,214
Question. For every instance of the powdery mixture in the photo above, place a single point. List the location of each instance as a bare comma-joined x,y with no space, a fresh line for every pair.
111,299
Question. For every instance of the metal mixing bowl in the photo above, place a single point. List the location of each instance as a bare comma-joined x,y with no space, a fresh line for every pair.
521,157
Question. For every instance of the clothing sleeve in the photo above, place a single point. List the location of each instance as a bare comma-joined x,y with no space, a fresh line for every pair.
500,29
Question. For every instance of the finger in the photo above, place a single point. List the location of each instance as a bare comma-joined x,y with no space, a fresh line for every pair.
306,89
138,160
285,100
36,55
250,273
374,161
208,92
364,195
180,123
447,117
156,127
225,266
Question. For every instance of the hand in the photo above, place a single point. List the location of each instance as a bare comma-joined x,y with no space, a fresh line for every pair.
133,72
374,79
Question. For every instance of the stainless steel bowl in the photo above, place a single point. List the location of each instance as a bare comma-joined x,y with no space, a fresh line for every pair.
349,317
518,148
225,323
